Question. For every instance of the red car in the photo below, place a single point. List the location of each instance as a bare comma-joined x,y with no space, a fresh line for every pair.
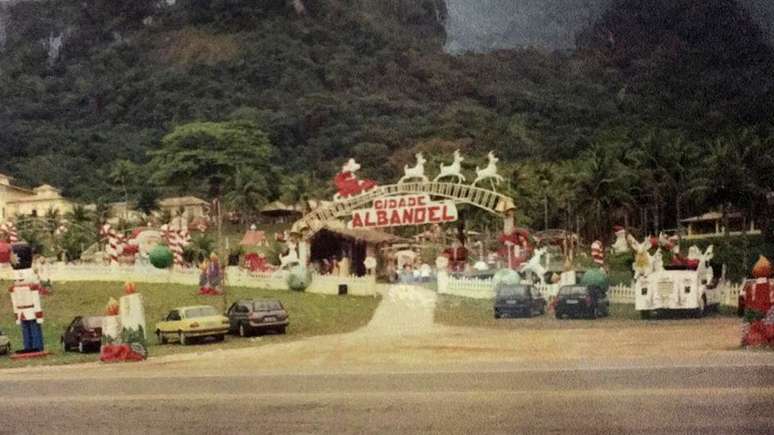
84,334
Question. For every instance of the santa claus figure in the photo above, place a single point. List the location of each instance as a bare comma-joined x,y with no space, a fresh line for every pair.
620,245
347,182
25,299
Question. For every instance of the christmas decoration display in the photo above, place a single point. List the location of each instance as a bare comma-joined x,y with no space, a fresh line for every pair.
598,253
160,257
115,243
177,238
596,278
257,262
25,300
758,320
347,182
5,253
489,172
620,246
298,278
123,331
457,255
507,277
416,172
211,277
534,266
515,247
9,230
452,170
643,262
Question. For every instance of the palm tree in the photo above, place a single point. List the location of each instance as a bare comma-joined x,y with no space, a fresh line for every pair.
79,215
123,173
604,189
247,190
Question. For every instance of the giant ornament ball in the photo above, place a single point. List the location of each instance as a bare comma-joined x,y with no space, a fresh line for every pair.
160,257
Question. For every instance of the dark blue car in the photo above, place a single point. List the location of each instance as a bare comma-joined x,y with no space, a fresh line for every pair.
518,300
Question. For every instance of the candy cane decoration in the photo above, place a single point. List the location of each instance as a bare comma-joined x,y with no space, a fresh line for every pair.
113,242
178,241
10,230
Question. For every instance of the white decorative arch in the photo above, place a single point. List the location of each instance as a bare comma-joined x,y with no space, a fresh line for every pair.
482,198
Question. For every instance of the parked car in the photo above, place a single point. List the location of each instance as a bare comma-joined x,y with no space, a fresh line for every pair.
518,300
5,344
746,286
186,323
581,301
248,316
84,333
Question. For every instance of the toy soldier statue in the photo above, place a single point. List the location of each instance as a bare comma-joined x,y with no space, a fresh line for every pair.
25,298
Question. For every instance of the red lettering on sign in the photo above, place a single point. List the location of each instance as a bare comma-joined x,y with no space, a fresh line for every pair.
446,216
421,200
420,214
408,216
381,217
357,221
395,218
368,222
433,211
378,203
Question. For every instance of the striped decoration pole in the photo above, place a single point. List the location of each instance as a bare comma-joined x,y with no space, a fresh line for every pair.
597,253
10,231
112,243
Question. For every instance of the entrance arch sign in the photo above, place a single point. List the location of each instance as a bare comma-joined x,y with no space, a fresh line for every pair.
482,198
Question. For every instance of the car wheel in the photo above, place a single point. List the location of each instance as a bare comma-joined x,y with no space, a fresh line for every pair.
161,338
244,331
81,349
644,314
220,337
181,338
542,310
64,346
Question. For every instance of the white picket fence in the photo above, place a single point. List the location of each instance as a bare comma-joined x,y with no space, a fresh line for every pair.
235,276
619,294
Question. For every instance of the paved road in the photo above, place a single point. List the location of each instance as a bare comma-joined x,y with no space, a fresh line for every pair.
720,399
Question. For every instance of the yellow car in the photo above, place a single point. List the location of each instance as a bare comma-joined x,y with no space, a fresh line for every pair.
186,323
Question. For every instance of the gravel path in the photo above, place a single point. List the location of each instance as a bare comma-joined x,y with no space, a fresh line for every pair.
404,310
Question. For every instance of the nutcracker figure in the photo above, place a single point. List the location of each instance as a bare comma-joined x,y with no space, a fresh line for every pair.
25,299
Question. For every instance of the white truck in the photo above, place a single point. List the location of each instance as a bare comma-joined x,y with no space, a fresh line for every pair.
678,288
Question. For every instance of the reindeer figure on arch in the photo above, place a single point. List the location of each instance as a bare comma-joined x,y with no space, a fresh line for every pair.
489,172
417,172
452,170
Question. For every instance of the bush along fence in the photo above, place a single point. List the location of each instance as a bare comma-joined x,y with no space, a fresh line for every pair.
235,276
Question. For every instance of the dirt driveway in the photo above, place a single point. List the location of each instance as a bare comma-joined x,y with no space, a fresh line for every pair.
402,336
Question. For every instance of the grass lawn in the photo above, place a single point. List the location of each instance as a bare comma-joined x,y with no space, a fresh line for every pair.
310,314
459,311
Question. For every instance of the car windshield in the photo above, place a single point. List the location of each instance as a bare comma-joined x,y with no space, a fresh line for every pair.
92,322
200,312
267,306
513,290
573,291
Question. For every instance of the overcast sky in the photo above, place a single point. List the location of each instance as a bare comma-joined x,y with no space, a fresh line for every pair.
551,24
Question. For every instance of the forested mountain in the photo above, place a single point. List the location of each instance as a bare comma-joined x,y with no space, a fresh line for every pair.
84,84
